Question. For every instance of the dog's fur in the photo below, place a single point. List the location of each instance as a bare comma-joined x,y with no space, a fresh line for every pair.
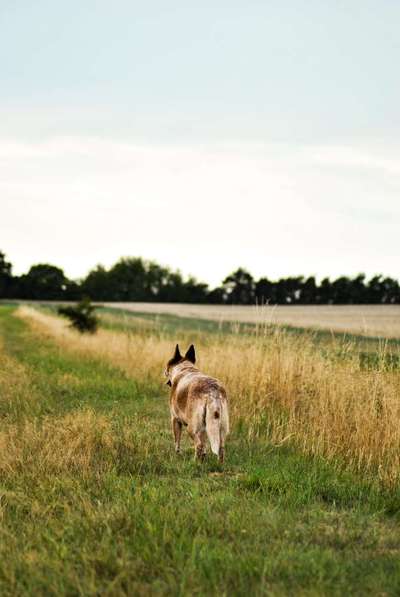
199,402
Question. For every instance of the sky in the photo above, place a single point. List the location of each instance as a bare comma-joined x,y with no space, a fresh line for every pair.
203,135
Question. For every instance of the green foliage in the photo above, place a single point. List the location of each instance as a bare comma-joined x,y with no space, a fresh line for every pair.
5,276
43,281
5,266
136,279
82,316
239,287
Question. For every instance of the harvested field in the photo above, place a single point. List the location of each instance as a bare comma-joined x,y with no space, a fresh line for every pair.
366,320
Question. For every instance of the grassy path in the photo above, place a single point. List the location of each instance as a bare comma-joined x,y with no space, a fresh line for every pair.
94,501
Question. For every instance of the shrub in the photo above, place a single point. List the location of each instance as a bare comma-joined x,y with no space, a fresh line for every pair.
82,316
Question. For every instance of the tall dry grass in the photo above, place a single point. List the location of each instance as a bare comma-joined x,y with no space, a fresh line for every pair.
276,383
17,395
81,442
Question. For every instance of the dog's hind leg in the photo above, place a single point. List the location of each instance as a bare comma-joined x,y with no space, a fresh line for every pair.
197,436
177,431
197,431
200,445
224,430
200,442
221,451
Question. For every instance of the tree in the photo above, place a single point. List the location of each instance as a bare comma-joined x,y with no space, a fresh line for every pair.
43,282
291,289
264,291
391,291
157,279
217,296
279,292
128,280
375,290
309,291
97,285
73,291
195,292
240,287
5,276
357,290
174,289
325,292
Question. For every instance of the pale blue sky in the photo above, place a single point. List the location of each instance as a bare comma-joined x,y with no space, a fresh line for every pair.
275,124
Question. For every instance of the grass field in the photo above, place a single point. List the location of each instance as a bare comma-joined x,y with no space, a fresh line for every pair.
367,320
93,499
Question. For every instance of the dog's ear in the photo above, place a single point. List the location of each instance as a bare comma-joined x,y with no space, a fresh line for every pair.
177,356
190,354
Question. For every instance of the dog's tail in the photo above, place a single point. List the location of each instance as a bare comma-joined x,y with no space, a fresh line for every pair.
213,422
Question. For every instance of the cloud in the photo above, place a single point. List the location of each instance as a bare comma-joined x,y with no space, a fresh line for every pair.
350,157
275,209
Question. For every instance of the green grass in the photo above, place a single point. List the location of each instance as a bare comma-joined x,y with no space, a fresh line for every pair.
142,521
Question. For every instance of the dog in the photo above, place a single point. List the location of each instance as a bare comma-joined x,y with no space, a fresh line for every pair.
199,402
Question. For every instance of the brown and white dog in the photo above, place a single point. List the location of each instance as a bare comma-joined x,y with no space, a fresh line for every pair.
198,402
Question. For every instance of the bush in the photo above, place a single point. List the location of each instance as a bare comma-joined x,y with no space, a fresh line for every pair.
81,316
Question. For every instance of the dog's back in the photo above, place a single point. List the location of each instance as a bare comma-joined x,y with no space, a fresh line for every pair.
199,402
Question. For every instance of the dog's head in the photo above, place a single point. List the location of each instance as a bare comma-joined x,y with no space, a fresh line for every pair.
178,358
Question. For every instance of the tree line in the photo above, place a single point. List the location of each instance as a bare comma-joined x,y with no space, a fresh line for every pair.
136,279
